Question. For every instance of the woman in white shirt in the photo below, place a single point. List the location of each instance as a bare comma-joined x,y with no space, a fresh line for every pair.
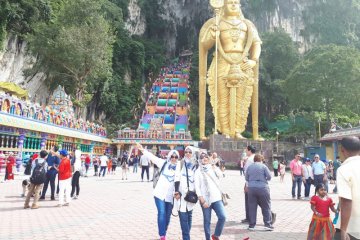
165,187
308,177
207,180
184,184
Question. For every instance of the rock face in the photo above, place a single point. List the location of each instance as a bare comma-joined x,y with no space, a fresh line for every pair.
13,62
135,23
185,18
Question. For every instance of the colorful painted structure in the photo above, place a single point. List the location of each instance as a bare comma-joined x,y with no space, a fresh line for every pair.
331,141
26,128
165,120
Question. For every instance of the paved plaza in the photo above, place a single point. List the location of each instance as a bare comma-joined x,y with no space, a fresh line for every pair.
111,208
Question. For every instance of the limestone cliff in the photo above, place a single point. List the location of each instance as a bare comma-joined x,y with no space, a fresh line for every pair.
185,18
14,61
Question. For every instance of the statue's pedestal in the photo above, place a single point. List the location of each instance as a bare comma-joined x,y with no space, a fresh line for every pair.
231,149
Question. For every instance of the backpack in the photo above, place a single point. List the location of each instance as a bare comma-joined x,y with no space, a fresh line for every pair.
39,174
157,175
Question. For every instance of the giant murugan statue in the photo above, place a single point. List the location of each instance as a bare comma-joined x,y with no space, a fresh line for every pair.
232,77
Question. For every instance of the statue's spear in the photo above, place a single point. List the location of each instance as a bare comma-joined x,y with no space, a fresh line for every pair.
217,5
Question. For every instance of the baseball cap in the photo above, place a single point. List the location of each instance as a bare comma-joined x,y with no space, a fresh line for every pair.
63,152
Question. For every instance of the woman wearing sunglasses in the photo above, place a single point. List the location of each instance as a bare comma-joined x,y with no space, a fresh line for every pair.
182,187
207,180
165,187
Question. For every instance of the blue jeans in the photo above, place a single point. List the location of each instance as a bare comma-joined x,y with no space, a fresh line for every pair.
50,178
164,214
307,186
219,209
185,223
135,167
297,181
102,169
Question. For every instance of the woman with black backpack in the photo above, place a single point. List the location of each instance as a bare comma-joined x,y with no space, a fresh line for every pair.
185,191
165,187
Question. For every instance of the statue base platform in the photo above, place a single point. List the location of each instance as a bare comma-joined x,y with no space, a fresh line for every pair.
231,149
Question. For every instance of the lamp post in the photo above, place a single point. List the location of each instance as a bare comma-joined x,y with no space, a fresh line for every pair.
277,143
319,123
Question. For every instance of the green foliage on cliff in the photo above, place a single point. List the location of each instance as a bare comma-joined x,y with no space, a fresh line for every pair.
333,21
18,16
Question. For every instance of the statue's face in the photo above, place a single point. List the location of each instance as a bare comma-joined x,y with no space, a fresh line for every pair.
232,7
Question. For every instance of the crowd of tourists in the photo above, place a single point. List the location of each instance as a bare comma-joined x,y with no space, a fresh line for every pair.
179,184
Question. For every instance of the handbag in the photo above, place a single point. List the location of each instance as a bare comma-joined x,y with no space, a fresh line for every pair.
224,196
190,196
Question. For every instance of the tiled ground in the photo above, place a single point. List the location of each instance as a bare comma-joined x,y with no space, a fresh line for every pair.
111,208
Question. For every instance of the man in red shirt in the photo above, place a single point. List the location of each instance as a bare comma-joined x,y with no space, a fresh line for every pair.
87,164
296,174
64,179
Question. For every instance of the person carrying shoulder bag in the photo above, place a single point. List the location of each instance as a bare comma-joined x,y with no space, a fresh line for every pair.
185,191
210,195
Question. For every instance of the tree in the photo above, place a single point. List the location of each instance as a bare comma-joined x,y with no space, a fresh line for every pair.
279,55
327,79
76,47
18,16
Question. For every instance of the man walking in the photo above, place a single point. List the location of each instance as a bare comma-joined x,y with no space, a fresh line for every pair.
250,153
275,167
297,175
145,163
337,164
319,170
135,163
38,176
103,164
348,182
53,162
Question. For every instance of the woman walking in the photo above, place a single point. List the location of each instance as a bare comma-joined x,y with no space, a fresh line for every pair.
96,165
282,167
124,167
182,187
257,176
207,180
165,187
75,182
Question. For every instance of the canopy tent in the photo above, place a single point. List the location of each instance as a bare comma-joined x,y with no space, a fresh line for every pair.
13,89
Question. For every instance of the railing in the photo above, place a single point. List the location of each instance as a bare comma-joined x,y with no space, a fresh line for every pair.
154,134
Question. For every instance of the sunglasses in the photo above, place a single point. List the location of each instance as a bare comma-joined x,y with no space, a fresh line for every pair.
204,156
188,151
174,156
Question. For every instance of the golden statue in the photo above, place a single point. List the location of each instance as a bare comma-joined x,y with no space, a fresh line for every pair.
233,75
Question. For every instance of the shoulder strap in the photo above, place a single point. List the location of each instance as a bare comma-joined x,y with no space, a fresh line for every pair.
214,182
187,176
162,168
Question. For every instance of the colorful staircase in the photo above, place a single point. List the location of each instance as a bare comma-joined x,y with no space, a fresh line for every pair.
167,106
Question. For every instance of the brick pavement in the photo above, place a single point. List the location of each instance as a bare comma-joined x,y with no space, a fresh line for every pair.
110,208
